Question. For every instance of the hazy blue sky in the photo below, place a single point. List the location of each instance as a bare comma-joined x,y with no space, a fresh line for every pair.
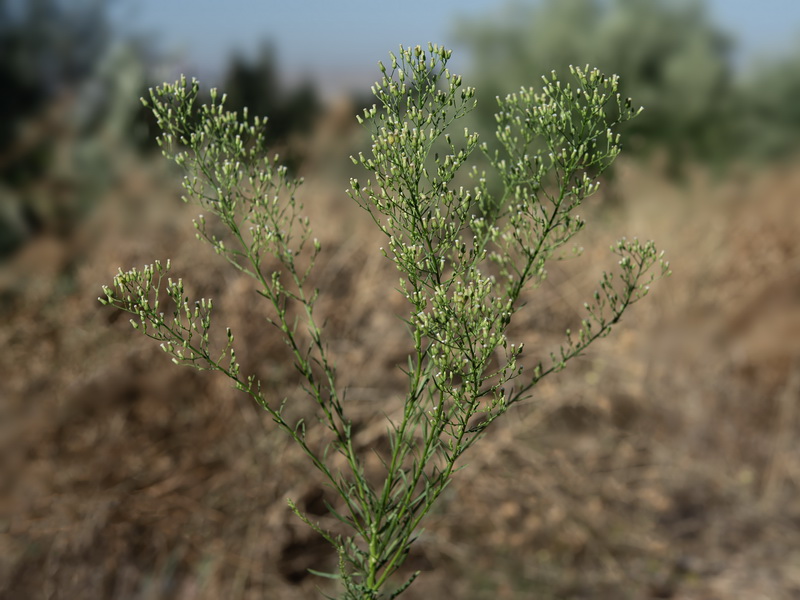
339,41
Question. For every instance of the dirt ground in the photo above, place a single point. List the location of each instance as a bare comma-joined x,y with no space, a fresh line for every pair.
663,464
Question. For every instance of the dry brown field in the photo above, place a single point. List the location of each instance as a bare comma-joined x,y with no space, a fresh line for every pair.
663,464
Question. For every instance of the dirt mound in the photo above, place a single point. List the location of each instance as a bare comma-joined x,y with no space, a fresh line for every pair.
659,466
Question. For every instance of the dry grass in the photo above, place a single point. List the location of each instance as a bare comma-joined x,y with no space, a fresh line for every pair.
662,465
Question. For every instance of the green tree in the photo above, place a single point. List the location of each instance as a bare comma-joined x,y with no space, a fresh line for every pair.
769,122
45,46
669,56
256,84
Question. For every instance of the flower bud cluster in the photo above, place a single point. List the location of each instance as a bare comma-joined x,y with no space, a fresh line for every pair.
185,334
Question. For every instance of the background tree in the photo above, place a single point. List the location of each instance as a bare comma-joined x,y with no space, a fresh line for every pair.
670,57
770,124
256,84
45,47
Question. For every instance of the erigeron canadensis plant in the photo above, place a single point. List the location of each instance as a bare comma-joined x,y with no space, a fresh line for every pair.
464,259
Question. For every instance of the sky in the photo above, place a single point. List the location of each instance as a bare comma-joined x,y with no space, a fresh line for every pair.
338,42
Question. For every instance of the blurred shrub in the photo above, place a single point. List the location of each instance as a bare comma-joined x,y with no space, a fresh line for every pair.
46,46
770,123
669,56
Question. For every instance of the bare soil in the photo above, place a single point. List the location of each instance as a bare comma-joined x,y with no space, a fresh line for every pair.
663,464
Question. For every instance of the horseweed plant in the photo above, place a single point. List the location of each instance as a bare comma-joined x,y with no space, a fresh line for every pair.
465,255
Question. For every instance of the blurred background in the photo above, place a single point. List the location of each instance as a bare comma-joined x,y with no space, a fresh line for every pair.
663,464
